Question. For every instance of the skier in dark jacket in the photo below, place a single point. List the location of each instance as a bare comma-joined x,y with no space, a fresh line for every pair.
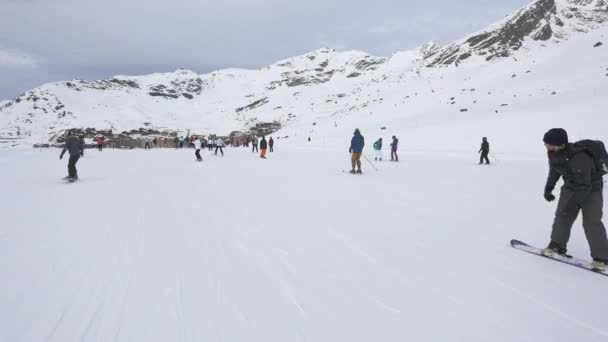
581,191
74,146
394,156
356,149
484,150
271,144
263,147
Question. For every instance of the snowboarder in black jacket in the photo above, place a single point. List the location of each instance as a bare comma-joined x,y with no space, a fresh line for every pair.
581,191
263,147
484,150
74,146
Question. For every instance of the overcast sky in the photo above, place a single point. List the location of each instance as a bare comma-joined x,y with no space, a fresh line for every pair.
52,40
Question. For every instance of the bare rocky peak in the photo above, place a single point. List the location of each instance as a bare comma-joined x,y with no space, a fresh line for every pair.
543,20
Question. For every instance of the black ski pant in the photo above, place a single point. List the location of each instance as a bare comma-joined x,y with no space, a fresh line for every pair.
394,155
99,147
270,148
146,146
254,148
484,156
72,172
198,154
566,213
219,148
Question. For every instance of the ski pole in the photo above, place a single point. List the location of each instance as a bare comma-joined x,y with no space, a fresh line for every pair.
370,163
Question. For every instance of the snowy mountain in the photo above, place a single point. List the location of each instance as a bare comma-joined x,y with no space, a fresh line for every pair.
324,85
544,21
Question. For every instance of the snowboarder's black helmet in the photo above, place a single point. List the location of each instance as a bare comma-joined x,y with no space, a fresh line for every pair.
556,137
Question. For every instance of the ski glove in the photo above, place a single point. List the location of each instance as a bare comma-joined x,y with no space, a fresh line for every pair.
549,196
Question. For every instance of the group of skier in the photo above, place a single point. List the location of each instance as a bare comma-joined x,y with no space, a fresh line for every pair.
357,143
198,143
264,145
581,165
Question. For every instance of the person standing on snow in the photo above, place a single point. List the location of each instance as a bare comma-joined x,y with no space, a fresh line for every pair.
271,144
197,146
219,144
100,142
484,150
356,149
74,146
378,149
263,147
394,156
254,144
581,191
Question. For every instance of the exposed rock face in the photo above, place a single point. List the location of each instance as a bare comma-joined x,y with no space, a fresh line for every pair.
541,21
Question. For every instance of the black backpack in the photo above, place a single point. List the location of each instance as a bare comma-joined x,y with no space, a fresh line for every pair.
597,150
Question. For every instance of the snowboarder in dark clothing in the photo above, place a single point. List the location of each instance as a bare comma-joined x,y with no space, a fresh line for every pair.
581,191
74,146
484,150
356,149
394,156
263,147
270,144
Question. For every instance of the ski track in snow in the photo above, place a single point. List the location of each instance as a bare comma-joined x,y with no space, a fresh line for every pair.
552,309
333,258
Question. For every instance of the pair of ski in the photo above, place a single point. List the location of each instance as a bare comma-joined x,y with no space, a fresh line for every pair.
566,259
352,173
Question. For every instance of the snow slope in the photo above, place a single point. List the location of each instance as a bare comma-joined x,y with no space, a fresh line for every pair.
151,246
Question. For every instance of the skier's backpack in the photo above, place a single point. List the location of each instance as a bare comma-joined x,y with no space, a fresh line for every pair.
597,150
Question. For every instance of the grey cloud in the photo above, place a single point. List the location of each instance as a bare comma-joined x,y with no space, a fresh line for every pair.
98,39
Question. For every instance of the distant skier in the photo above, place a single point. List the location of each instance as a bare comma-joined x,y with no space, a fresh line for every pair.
74,146
100,142
176,140
271,144
581,191
378,149
219,144
484,150
254,144
197,146
155,142
394,145
356,149
147,143
263,147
